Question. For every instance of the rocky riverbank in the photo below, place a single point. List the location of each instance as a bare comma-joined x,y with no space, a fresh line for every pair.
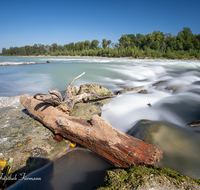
29,142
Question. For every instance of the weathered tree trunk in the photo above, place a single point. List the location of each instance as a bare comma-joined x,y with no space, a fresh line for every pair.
97,135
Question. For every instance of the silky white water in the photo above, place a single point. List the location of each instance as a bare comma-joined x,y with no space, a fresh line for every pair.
114,74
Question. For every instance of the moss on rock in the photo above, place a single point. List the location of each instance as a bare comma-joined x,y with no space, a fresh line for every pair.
97,89
146,177
85,111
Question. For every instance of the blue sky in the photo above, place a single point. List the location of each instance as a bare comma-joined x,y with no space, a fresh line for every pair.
29,22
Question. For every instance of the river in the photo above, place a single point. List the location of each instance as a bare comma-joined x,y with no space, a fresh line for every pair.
173,92
110,73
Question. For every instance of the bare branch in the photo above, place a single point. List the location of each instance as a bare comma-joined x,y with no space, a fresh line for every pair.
54,98
75,79
68,92
89,94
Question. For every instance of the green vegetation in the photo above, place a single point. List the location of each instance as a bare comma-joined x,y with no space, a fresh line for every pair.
105,93
139,175
185,45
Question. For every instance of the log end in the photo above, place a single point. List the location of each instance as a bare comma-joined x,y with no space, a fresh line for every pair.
24,98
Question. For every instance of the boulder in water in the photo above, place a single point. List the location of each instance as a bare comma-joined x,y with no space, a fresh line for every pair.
180,146
129,90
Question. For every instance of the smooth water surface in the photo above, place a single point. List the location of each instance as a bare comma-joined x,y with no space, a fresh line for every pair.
79,169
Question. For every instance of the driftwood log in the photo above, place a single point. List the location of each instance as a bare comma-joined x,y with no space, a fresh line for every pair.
66,104
95,134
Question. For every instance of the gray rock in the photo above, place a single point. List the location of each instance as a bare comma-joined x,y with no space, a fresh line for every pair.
184,108
173,88
75,90
159,83
143,92
85,110
196,83
16,128
129,90
97,89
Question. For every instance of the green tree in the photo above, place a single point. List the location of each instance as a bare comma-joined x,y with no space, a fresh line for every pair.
54,46
104,43
186,36
109,42
140,41
94,44
124,41
87,44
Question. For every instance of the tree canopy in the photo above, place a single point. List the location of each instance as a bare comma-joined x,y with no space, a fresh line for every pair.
156,44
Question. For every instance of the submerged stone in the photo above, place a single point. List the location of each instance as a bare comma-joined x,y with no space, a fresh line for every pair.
165,85
129,90
182,109
180,146
143,92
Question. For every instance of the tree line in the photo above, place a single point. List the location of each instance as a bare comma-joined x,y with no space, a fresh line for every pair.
156,44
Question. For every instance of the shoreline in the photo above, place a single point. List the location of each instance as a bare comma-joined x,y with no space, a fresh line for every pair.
100,57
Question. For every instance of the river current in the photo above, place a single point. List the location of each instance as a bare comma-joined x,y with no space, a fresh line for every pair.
113,74
173,92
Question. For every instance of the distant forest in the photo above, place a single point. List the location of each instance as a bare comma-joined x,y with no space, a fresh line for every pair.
156,45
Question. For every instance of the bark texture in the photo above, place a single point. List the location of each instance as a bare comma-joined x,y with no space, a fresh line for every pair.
96,134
